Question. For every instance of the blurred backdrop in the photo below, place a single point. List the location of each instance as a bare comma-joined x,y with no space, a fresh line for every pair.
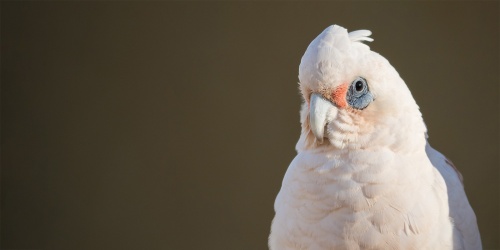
155,125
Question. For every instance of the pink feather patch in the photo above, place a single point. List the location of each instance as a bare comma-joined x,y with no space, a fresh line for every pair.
339,95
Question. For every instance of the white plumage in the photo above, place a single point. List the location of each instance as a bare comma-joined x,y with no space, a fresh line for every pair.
365,176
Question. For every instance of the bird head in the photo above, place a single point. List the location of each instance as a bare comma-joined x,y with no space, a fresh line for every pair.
353,97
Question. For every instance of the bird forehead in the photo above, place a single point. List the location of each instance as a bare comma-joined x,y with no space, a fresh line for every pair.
330,57
324,50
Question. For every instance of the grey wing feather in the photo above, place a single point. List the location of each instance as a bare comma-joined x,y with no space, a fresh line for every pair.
466,233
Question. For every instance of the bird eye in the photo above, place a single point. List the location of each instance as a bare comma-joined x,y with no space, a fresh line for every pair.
359,96
359,85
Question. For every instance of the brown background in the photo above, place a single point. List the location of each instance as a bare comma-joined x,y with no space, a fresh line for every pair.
155,125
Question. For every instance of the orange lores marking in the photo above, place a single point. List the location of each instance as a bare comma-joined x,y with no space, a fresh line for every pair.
339,95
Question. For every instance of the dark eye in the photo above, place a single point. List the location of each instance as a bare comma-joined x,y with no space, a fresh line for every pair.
359,95
359,85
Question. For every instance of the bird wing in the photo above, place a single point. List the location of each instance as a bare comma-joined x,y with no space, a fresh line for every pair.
466,232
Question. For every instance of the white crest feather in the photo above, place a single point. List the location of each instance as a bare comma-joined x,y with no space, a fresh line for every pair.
360,35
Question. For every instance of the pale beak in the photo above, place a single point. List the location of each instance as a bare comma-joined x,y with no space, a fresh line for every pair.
318,111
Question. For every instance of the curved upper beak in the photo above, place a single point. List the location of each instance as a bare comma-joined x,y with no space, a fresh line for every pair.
318,111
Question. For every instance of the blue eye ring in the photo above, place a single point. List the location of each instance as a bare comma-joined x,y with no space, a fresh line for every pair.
359,86
358,94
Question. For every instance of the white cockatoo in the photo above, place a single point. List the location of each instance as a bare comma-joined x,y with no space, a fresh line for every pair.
365,176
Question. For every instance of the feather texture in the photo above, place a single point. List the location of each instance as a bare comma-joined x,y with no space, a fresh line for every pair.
373,181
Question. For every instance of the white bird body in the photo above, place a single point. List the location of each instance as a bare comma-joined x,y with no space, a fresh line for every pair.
375,183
